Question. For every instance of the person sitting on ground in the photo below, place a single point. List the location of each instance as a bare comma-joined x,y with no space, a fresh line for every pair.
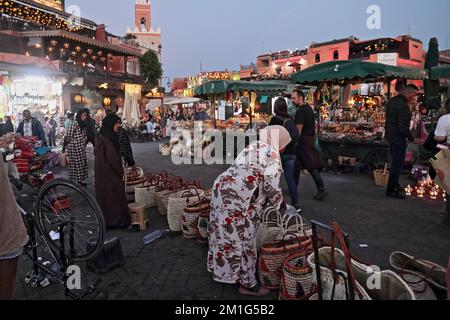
109,174
239,197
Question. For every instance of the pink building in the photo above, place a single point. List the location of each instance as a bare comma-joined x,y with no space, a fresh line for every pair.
146,35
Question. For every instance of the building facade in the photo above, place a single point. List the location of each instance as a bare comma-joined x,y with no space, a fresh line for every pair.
143,32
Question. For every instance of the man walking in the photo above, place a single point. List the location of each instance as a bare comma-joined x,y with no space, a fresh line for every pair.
308,158
398,131
31,127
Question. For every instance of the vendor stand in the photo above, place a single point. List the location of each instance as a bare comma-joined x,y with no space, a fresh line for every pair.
241,104
352,129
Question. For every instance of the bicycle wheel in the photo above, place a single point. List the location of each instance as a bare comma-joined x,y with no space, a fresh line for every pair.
62,202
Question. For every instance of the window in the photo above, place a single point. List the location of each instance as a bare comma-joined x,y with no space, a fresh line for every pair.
336,55
143,23
317,57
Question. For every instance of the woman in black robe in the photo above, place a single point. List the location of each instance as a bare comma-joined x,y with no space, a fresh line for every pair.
109,173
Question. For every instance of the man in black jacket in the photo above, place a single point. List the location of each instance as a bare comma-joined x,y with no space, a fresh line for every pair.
398,132
31,127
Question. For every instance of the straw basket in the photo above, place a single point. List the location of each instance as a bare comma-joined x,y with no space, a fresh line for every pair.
297,278
381,177
272,256
146,195
176,204
271,227
191,217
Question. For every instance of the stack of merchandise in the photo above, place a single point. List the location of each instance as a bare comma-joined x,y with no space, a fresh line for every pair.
31,161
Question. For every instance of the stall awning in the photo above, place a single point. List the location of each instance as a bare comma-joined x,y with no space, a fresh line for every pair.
182,101
82,39
442,72
223,86
348,71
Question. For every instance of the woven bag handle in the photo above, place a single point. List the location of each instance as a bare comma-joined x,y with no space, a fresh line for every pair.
339,236
268,213
299,221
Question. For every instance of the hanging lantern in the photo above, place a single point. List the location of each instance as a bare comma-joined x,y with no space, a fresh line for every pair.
110,55
54,43
107,101
100,53
78,98
103,59
73,53
50,49
77,48
90,51
84,55
62,50
66,45
94,58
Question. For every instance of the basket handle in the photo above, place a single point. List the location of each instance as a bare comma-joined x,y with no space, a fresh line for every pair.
270,211
385,168
297,219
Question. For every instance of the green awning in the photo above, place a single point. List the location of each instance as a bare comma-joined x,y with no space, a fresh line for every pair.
440,72
347,71
223,86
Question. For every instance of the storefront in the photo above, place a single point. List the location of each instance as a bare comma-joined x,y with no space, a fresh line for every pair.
352,123
36,89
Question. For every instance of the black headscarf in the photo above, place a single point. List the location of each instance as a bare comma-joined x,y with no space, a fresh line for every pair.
107,129
82,124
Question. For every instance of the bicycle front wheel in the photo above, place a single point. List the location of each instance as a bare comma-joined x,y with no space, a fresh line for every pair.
62,203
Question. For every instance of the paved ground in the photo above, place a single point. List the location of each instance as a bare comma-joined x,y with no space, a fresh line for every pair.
175,268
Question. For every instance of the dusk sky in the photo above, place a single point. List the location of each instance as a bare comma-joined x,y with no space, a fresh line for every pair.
224,34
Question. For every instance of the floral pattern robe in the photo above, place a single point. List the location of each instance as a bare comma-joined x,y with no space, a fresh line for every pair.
239,197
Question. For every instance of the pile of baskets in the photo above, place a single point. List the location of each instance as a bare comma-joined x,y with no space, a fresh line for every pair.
134,178
284,244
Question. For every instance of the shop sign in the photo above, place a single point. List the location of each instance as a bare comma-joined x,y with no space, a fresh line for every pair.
55,4
390,59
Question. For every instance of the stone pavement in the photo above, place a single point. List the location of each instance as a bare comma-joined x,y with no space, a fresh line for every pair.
175,268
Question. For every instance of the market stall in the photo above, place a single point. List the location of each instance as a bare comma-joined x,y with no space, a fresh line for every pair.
241,104
352,127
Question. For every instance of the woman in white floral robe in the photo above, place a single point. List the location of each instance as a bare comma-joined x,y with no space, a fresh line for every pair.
239,197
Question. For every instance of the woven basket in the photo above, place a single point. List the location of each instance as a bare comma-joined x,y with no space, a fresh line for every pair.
203,224
176,204
271,228
381,177
272,256
191,216
146,195
297,278
162,197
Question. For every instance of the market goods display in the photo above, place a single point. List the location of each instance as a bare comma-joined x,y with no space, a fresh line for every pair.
271,227
272,256
133,178
338,268
146,193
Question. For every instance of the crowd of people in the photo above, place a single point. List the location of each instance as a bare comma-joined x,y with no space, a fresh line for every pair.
287,146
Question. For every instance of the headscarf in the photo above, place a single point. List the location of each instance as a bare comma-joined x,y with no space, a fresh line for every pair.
276,136
107,129
82,124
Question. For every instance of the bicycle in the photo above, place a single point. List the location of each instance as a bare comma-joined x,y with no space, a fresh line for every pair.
71,226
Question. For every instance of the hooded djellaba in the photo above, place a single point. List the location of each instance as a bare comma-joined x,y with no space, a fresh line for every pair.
109,173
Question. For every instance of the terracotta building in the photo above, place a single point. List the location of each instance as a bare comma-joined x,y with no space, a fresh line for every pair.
144,33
